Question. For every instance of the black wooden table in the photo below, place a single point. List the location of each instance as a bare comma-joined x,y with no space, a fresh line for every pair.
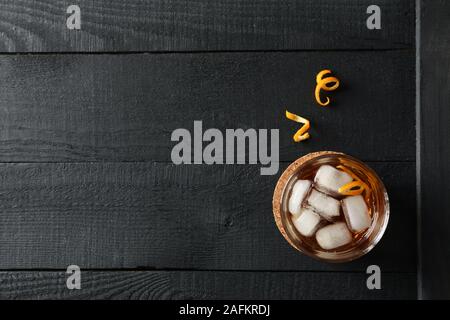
85,139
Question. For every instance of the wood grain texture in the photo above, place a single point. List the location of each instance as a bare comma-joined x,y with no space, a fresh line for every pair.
85,144
161,216
202,25
125,107
435,149
163,285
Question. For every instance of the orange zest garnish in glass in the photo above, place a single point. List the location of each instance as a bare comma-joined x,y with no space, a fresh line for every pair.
352,188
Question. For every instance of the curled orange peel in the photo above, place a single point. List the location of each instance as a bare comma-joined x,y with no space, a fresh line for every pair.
322,84
302,133
352,188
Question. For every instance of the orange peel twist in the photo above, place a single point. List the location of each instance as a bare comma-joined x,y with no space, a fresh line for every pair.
352,188
322,84
302,133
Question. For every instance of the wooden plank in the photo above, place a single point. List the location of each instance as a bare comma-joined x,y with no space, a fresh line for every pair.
125,107
202,25
163,285
435,149
161,216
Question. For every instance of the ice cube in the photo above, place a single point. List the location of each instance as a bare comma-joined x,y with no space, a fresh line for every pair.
329,179
333,236
299,191
356,213
307,222
324,205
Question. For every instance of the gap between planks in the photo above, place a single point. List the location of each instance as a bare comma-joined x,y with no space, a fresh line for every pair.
148,269
199,52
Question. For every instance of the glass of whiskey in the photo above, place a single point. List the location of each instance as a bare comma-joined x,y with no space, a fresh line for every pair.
331,206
